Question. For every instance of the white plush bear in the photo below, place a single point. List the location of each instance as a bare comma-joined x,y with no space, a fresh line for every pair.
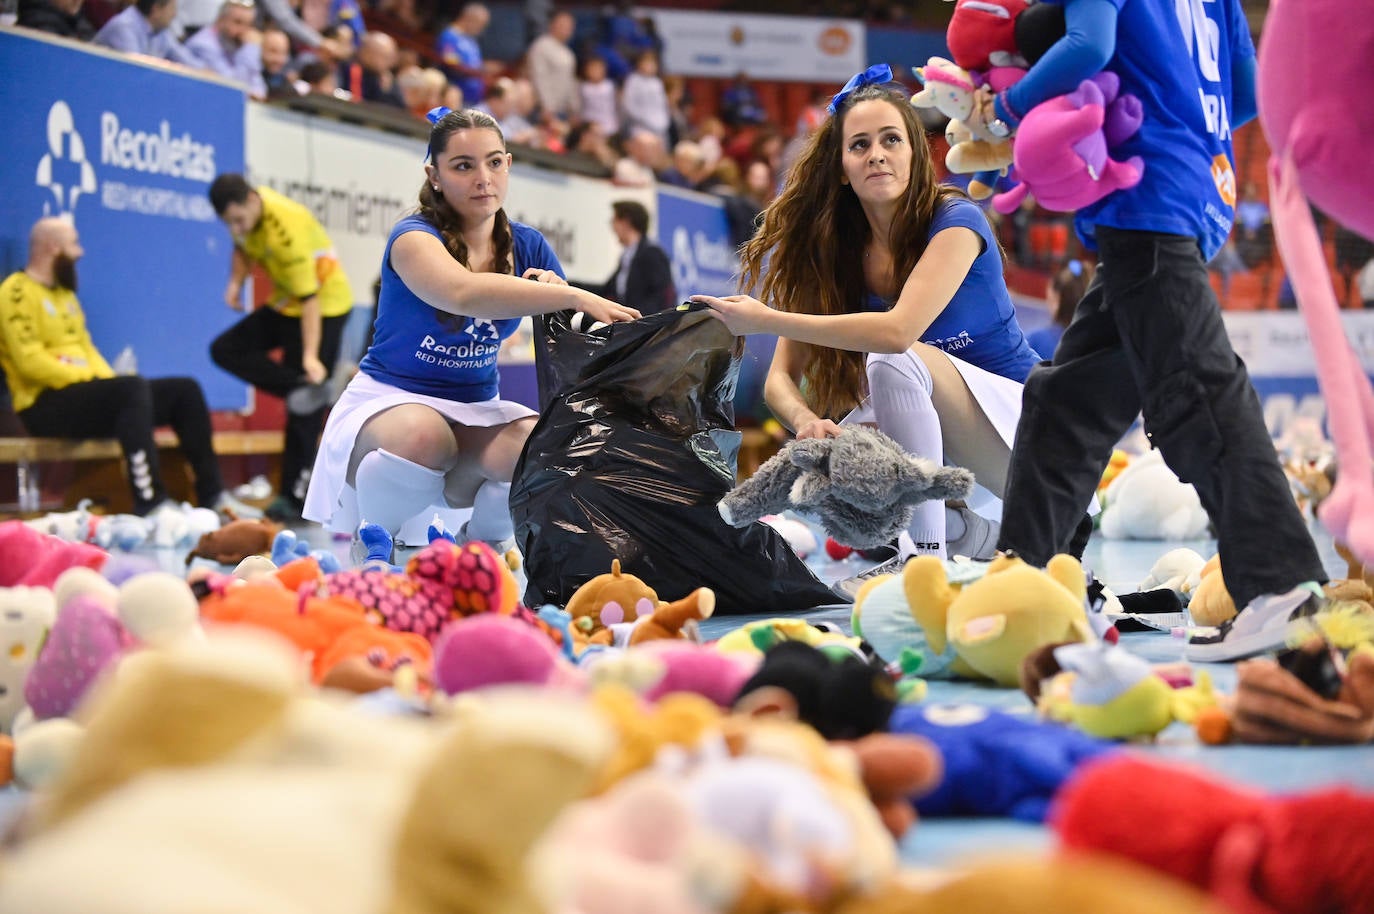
26,614
1146,501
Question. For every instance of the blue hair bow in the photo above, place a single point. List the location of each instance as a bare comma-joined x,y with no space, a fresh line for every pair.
875,75
434,116
1075,267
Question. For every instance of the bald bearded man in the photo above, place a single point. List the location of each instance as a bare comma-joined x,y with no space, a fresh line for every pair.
62,387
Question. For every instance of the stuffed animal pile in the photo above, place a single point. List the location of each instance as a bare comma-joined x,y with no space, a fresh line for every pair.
1062,150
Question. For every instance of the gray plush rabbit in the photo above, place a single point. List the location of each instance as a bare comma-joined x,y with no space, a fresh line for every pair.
862,486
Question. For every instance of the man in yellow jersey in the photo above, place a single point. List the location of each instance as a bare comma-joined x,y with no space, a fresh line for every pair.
63,388
305,318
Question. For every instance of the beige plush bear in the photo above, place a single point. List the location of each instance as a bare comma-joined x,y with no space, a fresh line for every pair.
211,779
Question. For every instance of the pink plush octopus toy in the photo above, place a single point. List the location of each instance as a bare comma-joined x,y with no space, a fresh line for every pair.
1314,57
442,582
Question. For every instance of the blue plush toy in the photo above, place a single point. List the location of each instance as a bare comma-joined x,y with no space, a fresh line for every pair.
996,764
381,545
287,547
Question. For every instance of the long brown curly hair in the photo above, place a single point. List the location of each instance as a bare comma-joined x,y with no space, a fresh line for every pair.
439,213
808,250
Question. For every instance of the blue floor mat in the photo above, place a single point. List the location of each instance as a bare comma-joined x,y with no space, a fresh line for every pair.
1122,565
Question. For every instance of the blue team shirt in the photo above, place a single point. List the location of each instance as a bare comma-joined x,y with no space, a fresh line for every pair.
979,323
459,47
423,350
1176,57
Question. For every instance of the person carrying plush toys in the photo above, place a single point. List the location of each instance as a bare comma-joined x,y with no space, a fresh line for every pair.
1148,333
886,289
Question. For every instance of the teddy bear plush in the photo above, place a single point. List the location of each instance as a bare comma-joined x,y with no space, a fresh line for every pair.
861,484
842,697
198,753
97,625
635,848
984,629
1147,501
1077,883
1061,153
235,541
949,89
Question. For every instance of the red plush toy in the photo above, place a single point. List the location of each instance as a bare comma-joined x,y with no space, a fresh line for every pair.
837,550
1301,854
982,33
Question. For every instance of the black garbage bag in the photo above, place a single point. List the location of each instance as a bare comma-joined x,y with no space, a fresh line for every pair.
634,447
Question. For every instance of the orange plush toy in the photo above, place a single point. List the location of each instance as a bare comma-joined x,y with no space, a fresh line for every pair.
327,630
610,599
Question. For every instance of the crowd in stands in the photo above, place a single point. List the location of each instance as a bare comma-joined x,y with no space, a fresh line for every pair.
592,85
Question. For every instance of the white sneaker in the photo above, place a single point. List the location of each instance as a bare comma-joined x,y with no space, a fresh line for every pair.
169,523
259,488
979,540
230,508
1265,624
848,588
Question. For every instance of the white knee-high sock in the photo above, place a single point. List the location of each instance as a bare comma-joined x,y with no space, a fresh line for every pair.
392,490
491,520
900,388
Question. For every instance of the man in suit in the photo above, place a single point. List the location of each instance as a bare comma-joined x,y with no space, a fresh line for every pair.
644,278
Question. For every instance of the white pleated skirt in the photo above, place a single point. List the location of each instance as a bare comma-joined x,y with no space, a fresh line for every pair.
331,501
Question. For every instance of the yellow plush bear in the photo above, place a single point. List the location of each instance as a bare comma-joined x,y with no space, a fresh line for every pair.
991,624
211,779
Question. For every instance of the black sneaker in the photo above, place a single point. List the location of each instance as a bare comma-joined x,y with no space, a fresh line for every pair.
1265,624
848,588
284,510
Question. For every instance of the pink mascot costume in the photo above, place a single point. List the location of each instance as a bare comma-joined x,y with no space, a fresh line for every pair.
1313,60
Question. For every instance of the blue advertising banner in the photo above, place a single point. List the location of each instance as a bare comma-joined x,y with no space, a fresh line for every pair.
693,229
127,151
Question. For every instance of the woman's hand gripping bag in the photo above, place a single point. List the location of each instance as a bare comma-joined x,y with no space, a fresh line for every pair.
635,445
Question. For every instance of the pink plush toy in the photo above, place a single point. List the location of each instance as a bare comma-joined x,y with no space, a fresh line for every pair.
699,668
32,559
1313,56
1061,152
627,851
84,640
490,649
442,582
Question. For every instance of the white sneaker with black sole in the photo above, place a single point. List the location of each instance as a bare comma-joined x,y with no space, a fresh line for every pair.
979,539
1265,624
848,588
